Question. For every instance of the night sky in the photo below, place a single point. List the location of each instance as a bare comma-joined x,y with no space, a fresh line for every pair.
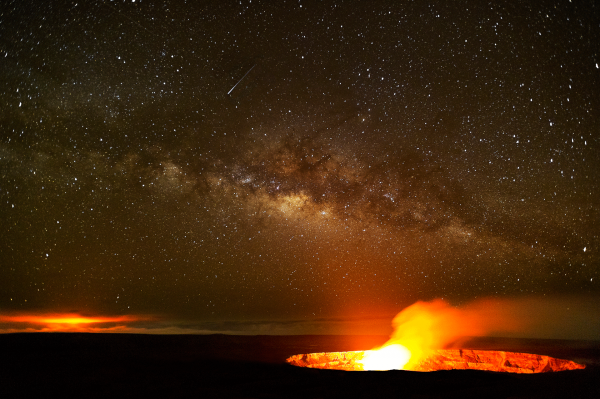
305,167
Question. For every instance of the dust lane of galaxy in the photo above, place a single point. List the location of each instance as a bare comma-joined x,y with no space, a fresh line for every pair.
223,167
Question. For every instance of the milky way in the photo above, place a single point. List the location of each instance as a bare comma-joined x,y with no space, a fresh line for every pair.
252,163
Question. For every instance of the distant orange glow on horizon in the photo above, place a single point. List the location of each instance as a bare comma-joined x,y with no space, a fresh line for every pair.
69,322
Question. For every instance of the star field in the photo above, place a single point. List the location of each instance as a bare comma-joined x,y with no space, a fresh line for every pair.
253,162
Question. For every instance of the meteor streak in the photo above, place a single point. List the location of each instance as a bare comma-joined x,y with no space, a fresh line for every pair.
238,82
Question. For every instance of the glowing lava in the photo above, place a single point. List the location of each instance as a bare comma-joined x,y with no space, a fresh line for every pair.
424,330
391,357
441,359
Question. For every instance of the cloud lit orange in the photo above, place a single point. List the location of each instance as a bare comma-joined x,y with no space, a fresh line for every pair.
69,322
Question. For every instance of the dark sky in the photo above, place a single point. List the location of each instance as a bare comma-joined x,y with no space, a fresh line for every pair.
251,166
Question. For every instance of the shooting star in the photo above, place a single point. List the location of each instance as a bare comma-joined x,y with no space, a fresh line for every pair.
238,82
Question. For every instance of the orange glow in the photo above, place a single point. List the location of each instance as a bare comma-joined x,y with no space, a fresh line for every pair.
388,357
69,322
427,326
424,332
441,359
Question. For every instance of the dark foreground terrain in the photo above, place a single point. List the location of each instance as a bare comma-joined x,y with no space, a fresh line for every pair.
222,366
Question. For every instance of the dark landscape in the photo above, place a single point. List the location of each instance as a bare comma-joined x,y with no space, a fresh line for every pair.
227,366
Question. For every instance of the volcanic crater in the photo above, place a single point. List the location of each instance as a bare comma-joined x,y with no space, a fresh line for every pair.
444,359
